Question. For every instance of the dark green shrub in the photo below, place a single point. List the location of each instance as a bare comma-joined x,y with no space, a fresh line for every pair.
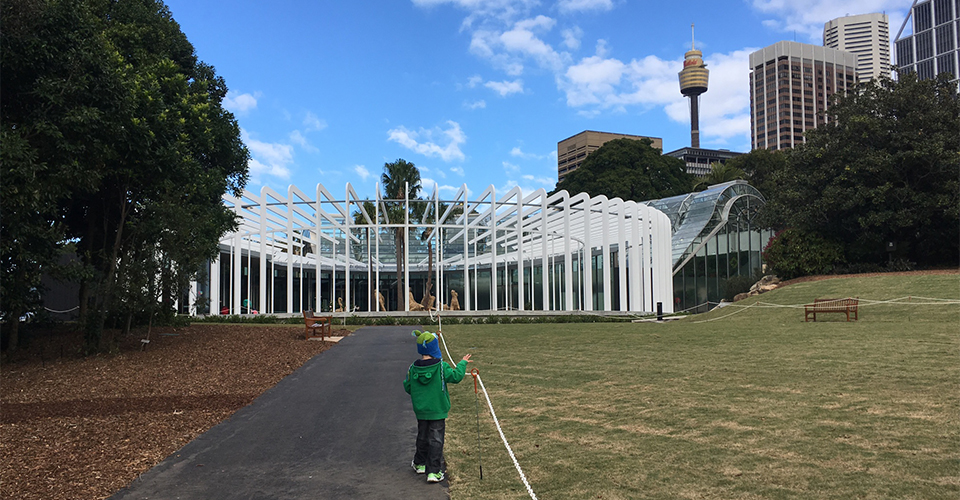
793,253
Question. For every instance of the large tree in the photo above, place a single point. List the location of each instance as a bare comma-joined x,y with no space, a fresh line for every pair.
401,179
115,133
630,170
885,169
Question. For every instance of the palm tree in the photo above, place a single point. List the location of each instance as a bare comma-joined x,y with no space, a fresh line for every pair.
719,173
400,179
430,217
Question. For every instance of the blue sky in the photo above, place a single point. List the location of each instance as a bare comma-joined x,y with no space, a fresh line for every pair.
480,92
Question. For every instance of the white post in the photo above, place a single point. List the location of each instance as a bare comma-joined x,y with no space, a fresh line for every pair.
346,249
262,302
587,259
406,247
567,257
605,228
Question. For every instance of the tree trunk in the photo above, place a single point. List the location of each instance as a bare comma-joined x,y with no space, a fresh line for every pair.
425,301
399,236
105,295
14,339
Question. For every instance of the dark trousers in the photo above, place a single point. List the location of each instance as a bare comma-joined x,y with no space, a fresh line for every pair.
430,444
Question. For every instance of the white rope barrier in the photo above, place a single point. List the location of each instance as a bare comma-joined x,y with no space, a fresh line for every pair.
74,308
513,457
908,300
505,443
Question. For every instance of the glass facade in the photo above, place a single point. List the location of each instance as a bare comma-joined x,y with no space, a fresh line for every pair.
714,240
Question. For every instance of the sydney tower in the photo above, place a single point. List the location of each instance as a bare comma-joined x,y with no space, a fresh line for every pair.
693,82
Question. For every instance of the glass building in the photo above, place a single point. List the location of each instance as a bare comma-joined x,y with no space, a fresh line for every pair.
714,239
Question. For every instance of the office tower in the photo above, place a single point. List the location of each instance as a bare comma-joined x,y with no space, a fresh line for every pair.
693,82
867,36
699,161
933,47
573,150
790,86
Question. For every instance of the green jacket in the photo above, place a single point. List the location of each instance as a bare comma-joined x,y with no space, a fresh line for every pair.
427,387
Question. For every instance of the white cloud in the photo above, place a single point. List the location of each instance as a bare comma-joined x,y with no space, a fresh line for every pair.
268,158
505,88
571,37
509,47
807,18
517,152
475,105
313,123
510,167
458,170
453,137
297,138
592,79
539,180
599,84
427,185
362,171
239,104
571,6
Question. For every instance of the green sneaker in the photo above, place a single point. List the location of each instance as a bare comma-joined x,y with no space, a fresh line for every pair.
421,469
435,477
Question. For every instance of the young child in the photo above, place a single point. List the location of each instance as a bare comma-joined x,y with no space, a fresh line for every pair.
426,383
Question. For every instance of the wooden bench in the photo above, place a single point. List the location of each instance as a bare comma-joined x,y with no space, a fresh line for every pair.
846,306
316,324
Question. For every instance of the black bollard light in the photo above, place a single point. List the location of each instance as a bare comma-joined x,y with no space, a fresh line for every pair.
659,311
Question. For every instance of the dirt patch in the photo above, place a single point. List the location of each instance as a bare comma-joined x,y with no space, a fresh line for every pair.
73,427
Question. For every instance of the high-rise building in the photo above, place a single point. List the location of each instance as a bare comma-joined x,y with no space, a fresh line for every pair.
693,82
933,47
790,85
699,161
573,150
867,36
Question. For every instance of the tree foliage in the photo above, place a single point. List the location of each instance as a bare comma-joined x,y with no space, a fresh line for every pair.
630,170
719,173
114,136
886,169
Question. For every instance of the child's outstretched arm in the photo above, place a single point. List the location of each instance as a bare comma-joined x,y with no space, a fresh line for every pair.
455,374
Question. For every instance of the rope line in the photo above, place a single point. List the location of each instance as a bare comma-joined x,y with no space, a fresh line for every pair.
506,444
929,301
74,308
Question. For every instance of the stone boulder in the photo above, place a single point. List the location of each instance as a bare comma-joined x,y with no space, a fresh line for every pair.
767,283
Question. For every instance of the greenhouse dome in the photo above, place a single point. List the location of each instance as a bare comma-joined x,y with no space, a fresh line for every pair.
716,246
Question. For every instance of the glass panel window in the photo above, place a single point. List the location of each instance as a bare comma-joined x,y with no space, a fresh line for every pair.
945,64
924,45
945,39
941,10
905,51
922,18
925,69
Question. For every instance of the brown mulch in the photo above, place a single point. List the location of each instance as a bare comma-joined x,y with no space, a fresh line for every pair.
74,427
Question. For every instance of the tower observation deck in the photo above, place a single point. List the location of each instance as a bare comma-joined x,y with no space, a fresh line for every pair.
693,82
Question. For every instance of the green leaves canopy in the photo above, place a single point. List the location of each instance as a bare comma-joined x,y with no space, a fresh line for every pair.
114,136
886,169
630,170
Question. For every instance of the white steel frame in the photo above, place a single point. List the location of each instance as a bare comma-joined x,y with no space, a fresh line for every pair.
514,232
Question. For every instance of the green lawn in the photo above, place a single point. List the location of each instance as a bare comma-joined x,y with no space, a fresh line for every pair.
757,404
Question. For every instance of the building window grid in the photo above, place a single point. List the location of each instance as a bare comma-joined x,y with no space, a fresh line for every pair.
944,36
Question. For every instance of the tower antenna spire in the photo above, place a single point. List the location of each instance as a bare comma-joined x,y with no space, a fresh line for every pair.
693,39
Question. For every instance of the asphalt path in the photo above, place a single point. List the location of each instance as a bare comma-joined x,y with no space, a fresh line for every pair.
341,426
